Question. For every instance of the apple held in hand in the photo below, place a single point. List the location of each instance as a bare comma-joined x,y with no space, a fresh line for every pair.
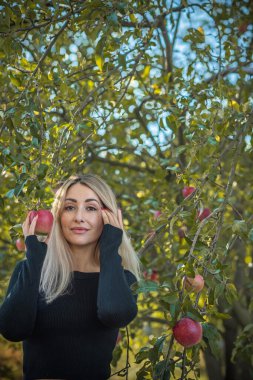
187,332
195,284
187,190
20,244
44,222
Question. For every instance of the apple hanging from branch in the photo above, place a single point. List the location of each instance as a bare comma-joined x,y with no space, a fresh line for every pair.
187,190
195,284
187,332
203,214
20,244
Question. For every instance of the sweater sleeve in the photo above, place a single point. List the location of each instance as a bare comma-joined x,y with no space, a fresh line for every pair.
18,310
116,304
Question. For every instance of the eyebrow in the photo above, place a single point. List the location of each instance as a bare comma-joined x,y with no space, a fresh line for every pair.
86,200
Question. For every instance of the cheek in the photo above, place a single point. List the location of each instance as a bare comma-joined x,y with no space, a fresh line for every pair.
64,220
99,222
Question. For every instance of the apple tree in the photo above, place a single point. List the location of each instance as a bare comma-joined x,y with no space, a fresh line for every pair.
156,97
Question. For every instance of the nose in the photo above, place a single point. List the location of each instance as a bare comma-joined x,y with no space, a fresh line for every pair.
79,215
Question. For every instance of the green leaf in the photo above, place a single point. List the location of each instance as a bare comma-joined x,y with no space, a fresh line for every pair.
195,315
170,298
10,193
113,18
240,228
35,142
142,355
160,373
19,188
42,171
251,234
144,286
117,352
1,202
231,293
219,290
213,337
222,315
156,350
173,168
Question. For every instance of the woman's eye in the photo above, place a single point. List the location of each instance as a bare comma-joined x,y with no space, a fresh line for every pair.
68,208
91,208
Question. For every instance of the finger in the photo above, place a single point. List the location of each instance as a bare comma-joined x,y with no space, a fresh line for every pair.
105,216
26,222
31,228
110,217
25,226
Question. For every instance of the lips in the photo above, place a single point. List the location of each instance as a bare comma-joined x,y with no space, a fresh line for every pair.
79,230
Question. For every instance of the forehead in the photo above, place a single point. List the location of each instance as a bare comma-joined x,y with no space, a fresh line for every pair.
81,192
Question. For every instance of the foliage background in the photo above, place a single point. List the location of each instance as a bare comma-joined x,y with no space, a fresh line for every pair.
152,96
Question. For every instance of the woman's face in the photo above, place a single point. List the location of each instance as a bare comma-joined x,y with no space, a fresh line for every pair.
81,218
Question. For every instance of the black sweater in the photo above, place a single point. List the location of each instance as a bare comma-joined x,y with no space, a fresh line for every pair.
73,337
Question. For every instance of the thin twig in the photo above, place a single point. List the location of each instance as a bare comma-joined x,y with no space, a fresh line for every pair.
42,58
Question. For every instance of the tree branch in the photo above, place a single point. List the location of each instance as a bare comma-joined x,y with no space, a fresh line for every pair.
122,164
229,70
162,26
42,58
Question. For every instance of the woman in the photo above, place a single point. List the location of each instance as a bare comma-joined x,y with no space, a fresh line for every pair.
67,300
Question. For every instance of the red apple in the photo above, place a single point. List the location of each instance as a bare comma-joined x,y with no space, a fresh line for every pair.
195,284
187,332
157,214
203,214
187,190
154,275
20,244
44,222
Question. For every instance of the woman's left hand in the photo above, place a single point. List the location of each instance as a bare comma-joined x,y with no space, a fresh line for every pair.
109,218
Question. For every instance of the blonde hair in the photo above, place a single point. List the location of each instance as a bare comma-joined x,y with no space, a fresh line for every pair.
57,269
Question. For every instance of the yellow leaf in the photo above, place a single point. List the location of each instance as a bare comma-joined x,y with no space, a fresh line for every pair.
248,260
50,75
27,65
133,18
201,30
15,82
99,61
235,105
217,138
156,88
90,84
167,77
140,194
146,72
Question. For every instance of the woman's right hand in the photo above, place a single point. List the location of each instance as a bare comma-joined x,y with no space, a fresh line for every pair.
29,228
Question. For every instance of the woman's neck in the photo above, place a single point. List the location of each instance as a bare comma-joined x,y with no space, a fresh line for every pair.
84,259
